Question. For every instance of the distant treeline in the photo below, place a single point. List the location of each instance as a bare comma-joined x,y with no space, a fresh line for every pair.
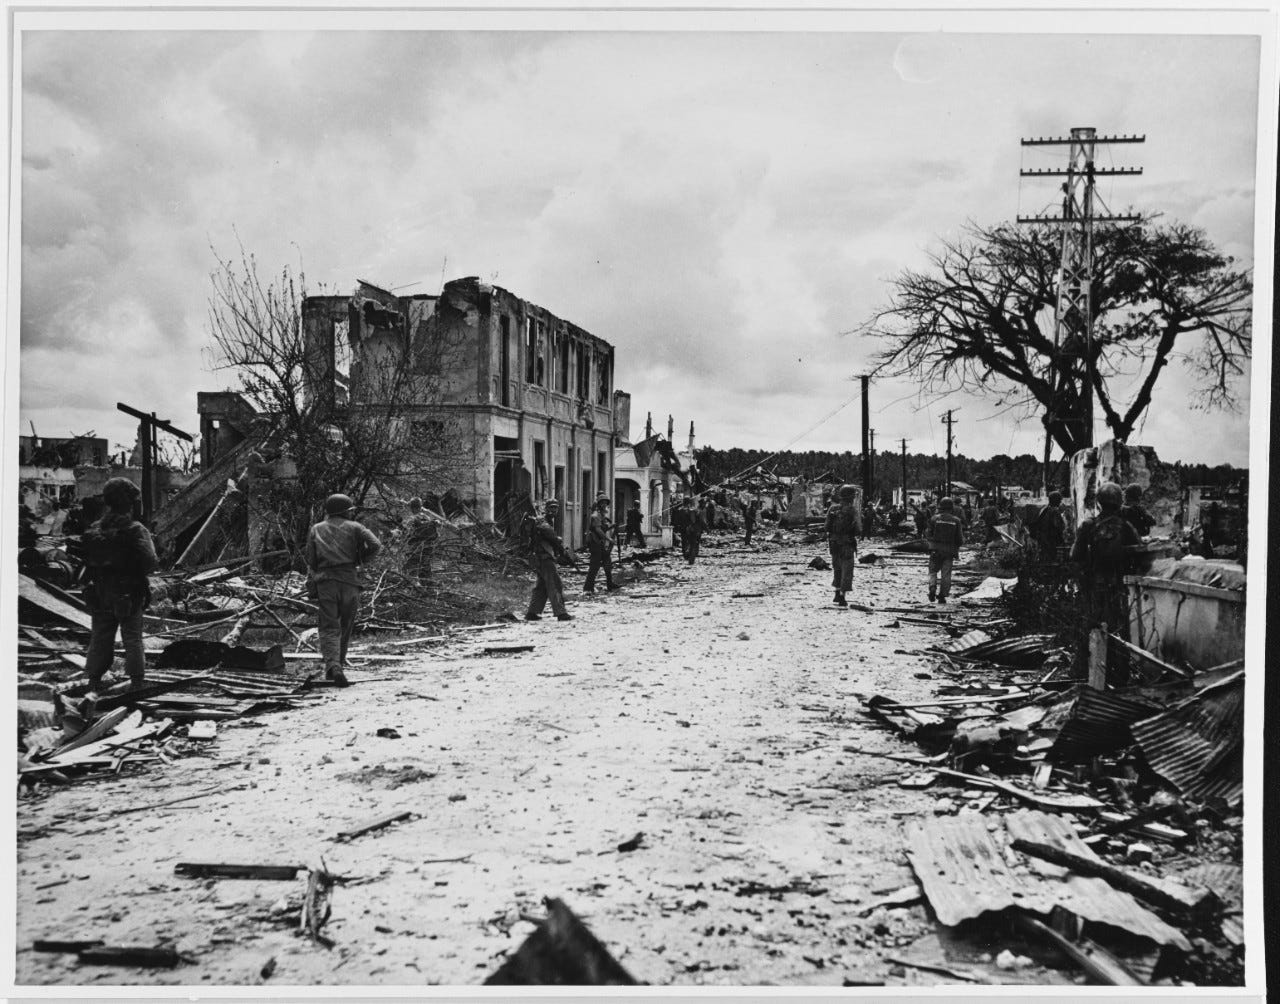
925,470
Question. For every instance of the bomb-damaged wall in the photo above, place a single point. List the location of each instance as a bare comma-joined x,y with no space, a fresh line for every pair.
1126,465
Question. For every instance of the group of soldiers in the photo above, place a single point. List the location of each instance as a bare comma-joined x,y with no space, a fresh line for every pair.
119,554
844,522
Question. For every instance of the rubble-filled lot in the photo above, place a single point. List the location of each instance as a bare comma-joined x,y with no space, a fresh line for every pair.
728,779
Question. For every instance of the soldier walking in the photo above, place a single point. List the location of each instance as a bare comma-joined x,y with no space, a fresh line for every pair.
547,548
336,547
600,534
843,526
945,537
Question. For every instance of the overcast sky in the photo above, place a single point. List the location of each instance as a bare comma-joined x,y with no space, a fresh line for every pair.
720,207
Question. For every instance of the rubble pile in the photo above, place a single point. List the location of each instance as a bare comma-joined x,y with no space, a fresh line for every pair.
1084,820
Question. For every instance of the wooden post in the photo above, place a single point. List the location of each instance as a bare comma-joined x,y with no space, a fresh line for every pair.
1098,658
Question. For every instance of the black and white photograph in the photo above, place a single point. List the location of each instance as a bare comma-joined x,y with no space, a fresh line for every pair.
519,497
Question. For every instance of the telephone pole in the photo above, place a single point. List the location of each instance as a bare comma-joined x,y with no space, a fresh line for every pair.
866,443
1075,361
872,455
904,474
948,421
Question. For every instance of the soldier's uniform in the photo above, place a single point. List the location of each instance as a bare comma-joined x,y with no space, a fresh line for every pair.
118,555
946,534
635,524
691,535
547,548
599,544
1134,514
336,547
1102,552
843,526
420,536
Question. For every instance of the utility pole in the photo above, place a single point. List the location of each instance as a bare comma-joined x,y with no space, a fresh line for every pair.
948,421
150,450
904,474
1075,361
866,445
872,455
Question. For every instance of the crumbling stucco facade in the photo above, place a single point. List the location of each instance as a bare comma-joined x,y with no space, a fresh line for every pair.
525,399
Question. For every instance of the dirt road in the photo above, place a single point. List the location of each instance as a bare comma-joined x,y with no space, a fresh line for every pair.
712,724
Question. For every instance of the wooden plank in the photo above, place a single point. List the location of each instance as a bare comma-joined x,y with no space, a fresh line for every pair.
1142,653
32,593
1096,963
943,702
94,732
192,869
128,955
355,657
376,824
1053,803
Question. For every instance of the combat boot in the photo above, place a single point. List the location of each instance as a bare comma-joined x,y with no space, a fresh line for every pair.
840,600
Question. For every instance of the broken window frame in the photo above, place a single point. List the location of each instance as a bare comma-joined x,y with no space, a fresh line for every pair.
530,349
602,379
562,363
583,371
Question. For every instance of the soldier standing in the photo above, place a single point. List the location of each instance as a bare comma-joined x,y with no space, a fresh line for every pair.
336,547
694,524
420,535
599,544
547,548
1049,530
679,522
118,555
635,524
843,526
749,519
1133,513
945,537
1102,551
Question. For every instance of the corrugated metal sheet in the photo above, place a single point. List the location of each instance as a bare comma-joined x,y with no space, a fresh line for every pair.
1009,651
1225,879
1196,746
1099,723
969,639
963,869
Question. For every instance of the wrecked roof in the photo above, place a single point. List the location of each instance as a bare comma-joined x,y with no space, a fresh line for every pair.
1100,722
964,872
1197,745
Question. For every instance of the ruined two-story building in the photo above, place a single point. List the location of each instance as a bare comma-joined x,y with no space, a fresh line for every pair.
510,402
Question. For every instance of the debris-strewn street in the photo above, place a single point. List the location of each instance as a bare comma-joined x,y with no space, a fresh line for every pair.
687,766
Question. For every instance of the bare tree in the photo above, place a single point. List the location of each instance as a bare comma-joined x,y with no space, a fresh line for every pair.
980,317
364,440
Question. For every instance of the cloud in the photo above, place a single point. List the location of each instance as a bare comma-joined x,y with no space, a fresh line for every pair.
719,206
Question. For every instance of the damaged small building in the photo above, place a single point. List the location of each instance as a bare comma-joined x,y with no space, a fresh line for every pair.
523,398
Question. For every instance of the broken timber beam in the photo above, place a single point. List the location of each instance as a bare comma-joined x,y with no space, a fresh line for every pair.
193,869
1096,963
376,824
1179,899
1142,653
